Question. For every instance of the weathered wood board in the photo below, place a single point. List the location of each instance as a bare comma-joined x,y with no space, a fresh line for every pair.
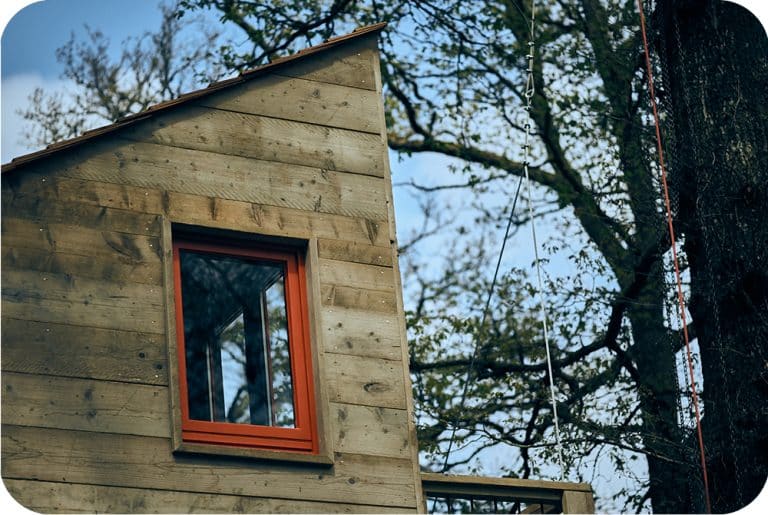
303,100
146,462
263,138
210,174
104,354
84,404
349,65
367,381
53,497
362,333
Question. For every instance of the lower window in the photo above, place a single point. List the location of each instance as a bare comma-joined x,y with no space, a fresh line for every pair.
244,356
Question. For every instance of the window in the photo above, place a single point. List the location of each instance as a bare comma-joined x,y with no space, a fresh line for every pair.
245,371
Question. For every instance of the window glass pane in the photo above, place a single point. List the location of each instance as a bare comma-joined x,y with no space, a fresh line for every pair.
236,339
279,356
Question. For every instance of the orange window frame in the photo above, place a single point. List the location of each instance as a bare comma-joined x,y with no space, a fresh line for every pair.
302,438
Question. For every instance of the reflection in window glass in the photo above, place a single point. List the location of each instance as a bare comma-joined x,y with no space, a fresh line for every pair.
236,340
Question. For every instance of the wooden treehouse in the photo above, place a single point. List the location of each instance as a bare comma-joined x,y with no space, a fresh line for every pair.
202,309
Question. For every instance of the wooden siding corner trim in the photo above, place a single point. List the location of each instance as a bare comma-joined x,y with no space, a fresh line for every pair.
322,401
421,501
170,334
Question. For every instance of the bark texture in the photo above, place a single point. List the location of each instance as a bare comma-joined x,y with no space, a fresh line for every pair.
717,76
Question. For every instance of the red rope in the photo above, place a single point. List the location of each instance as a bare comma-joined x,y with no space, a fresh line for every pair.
680,299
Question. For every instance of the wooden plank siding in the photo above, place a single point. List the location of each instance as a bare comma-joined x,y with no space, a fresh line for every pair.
79,262
302,100
210,174
361,333
267,139
57,497
355,252
85,404
88,386
146,462
66,299
142,410
99,354
349,297
70,239
349,66
365,380
357,232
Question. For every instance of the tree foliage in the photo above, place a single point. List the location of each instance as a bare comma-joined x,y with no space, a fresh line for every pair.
454,77
153,67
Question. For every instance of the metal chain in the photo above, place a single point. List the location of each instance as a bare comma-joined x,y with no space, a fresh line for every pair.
530,91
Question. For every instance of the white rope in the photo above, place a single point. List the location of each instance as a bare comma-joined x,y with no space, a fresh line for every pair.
529,92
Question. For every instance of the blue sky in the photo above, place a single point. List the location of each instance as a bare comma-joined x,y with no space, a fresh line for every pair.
29,43
34,33
30,40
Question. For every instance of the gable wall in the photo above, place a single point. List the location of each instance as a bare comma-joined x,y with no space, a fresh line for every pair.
86,419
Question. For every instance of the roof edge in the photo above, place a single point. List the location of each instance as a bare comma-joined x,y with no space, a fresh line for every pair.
244,76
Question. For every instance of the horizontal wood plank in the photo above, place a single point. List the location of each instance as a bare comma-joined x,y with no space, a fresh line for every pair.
87,352
90,267
366,381
356,275
371,430
302,100
355,252
44,181
256,218
71,239
361,333
268,139
53,210
208,173
43,297
123,318
448,481
127,408
351,65
147,462
357,298
21,285
52,497
210,211
84,404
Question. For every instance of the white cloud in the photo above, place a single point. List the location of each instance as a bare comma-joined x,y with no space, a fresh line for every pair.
15,92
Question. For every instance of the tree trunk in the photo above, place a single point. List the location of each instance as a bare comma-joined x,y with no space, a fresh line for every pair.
668,467
715,59
652,350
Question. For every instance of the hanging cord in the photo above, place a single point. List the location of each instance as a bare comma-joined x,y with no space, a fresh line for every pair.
680,299
471,366
530,90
